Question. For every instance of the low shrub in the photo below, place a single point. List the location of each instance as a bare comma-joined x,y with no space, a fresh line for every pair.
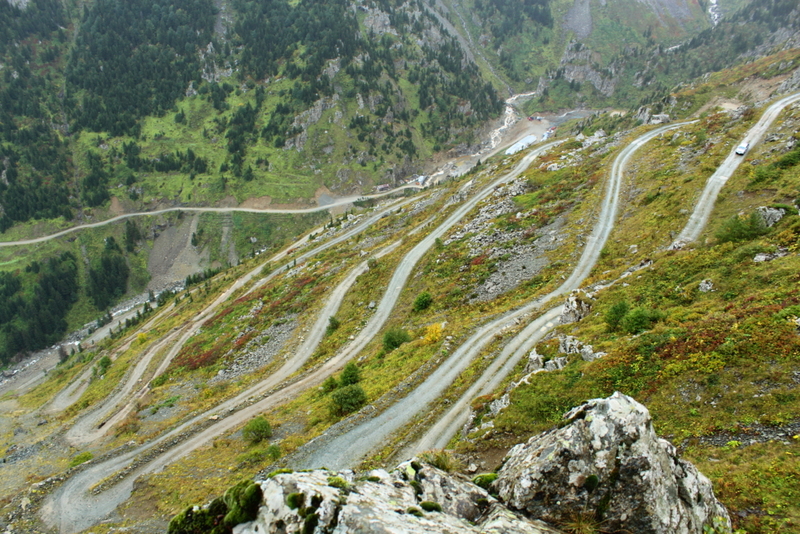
423,301
81,458
485,480
257,430
430,506
394,337
441,459
741,229
347,400
351,374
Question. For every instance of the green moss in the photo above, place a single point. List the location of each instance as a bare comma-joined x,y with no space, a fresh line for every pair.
430,506
207,520
485,480
242,501
81,458
413,510
338,482
295,500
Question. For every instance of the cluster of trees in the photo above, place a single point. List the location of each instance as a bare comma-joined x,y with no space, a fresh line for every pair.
108,275
94,186
507,18
194,279
711,50
34,304
135,57
34,159
272,33
187,161
39,17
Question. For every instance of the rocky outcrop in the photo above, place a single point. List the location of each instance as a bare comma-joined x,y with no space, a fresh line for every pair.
577,306
770,216
706,285
578,63
307,118
413,498
609,461
769,256
571,345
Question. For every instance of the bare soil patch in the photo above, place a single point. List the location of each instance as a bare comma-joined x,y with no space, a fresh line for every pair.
257,203
173,257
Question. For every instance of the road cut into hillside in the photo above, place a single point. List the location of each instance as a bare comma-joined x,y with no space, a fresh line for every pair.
343,201
341,453
72,509
454,419
705,205
113,409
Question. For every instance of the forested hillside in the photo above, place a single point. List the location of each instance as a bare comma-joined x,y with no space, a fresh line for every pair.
156,102
151,92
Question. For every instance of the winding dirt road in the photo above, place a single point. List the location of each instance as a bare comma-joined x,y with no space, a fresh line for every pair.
440,434
702,211
113,409
339,453
343,201
72,509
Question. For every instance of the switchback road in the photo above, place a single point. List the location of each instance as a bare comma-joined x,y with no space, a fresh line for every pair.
339,453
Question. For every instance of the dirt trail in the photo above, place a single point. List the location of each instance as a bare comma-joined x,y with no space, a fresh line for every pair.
343,201
338,453
115,408
71,509
705,205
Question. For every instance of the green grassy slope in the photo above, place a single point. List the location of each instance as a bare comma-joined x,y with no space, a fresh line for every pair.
718,369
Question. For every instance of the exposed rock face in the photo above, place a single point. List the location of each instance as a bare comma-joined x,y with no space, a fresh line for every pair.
608,459
770,216
769,256
577,306
307,118
705,286
578,62
556,364
535,362
383,503
571,345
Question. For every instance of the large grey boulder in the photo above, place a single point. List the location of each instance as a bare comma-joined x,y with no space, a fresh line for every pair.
608,461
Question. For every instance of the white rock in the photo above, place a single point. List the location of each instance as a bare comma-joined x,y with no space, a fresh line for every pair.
609,453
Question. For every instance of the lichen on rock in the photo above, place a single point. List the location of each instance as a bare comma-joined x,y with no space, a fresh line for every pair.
606,461
609,460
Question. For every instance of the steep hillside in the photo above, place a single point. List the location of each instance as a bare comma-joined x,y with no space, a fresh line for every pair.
389,314
558,46
157,102
243,104
238,373
707,336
